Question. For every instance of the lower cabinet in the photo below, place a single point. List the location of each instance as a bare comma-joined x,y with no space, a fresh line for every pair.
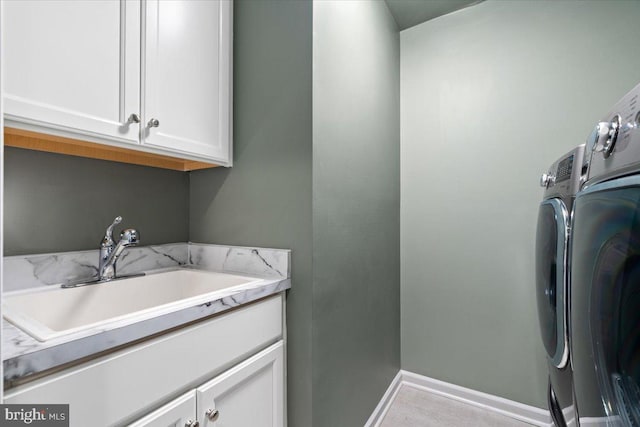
248,395
228,371
251,394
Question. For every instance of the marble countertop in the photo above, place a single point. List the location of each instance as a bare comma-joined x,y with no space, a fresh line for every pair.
24,356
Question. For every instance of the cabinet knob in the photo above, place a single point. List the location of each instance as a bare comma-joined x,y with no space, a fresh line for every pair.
133,118
153,123
192,423
212,414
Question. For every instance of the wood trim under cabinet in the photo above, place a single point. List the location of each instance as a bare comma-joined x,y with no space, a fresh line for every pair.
30,140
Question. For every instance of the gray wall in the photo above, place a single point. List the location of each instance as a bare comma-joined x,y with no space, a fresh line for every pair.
265,199
356,209
56,203
342,356
491,95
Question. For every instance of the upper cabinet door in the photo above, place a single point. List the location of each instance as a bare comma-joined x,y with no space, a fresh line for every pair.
187,77
73,66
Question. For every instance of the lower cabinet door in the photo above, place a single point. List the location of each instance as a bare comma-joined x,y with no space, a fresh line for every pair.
179,412
250,394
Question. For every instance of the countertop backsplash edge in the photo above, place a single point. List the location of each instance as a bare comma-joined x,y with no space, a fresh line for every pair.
22,272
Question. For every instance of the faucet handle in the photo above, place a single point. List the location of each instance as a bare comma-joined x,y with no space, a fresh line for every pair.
130,236
108,235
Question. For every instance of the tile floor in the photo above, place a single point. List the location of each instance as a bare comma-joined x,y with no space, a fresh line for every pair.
417,408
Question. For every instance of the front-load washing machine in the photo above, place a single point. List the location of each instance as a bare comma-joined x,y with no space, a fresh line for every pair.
561,182
605,273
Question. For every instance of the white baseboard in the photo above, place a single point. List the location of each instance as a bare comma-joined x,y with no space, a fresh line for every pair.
385,403
506,407
569,415
602,422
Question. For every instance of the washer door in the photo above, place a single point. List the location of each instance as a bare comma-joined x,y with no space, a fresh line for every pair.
606,301
551,279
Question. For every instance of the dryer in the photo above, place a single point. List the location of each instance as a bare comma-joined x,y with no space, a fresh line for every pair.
561,182
605,272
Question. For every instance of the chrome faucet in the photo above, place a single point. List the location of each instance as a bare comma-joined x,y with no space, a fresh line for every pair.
110,251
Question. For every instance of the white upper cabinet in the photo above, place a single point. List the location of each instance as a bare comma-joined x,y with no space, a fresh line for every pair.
186,70
73,66
82,69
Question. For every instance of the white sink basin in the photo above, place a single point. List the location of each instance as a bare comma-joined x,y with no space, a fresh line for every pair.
53,313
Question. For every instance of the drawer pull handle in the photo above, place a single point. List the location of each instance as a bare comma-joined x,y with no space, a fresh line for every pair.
133,118
153,123
192,423
212,414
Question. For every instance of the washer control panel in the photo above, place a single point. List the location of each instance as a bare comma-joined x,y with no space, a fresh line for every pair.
563,177
614,145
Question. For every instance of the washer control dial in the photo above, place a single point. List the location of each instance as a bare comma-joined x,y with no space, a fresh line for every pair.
610,143
547,180
598,136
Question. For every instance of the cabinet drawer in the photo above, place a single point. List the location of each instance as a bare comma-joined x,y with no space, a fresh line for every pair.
127,384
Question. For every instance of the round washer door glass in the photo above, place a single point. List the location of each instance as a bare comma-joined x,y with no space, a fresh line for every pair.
606,300
551,285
